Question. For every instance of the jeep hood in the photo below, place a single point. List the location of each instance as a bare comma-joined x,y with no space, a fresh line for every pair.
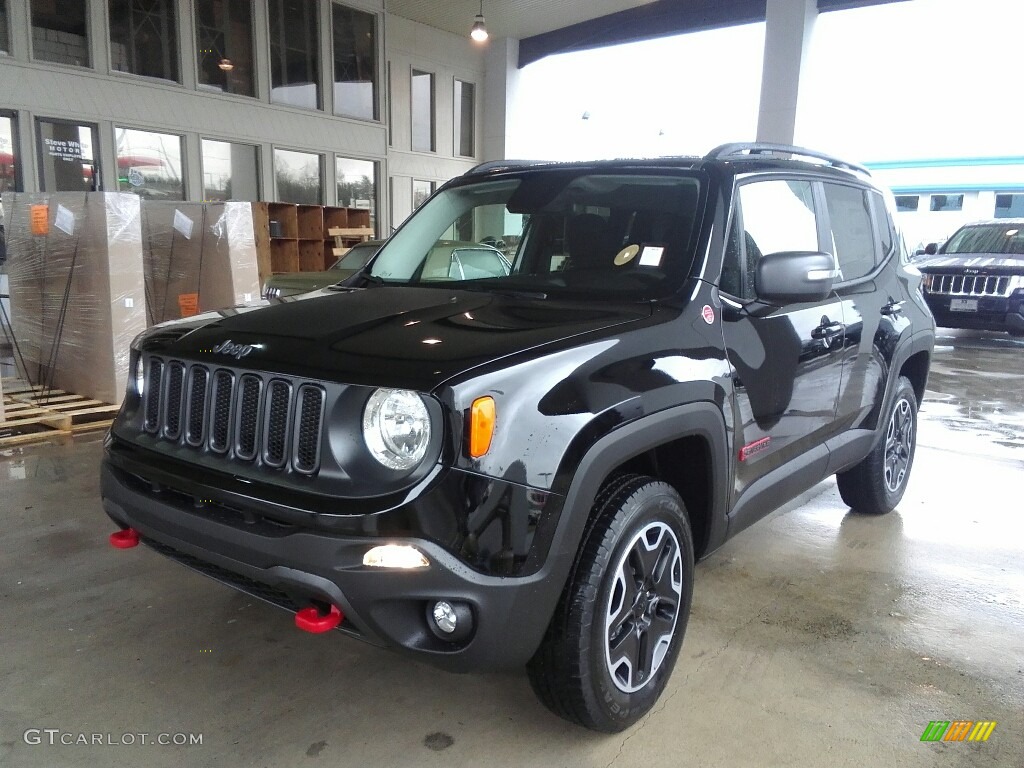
405,337
990,263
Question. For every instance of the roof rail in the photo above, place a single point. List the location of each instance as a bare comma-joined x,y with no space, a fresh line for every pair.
493,165
761,148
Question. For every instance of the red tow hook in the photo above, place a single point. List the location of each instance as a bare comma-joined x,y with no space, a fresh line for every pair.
125,539
311,620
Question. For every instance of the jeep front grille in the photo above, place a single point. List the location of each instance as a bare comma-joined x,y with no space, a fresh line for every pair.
954,284
244,416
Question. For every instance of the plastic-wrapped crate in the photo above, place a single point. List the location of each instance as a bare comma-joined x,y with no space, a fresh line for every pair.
197,257
74,264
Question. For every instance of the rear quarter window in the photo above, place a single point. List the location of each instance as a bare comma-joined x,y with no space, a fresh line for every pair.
853,238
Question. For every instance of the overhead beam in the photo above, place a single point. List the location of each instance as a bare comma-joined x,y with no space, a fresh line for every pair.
662,18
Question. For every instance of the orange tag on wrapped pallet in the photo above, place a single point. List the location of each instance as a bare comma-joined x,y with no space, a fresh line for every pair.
188,303
40,216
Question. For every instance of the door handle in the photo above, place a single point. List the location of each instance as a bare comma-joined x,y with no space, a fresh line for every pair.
892,308
827,331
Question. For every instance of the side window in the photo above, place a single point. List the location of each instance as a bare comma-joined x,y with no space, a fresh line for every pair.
777,215
884,223
852,237
731,281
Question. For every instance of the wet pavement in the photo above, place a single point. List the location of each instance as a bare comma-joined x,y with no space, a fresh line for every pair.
818,636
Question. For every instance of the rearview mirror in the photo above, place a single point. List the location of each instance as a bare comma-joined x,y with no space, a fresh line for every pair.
794,276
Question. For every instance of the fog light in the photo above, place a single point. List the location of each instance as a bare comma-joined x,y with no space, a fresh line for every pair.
444,617
450,620
395,556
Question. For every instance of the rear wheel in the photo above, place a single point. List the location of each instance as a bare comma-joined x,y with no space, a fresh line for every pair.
615,636
876,485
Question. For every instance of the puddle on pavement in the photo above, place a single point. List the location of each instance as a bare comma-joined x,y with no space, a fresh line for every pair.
975,398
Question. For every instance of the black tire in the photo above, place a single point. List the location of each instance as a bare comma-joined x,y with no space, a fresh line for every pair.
638,528
876,485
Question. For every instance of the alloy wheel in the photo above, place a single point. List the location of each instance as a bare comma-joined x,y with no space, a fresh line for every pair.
899,442
643,607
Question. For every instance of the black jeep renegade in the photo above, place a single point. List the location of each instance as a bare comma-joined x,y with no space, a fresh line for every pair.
513,454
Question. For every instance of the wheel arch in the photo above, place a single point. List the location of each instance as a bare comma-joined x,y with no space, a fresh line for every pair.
664,445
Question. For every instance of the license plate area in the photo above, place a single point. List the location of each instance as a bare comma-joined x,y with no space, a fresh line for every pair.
963,305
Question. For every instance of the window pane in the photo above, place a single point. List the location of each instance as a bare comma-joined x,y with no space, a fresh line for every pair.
1009,206
68,162
224,45
422,111
294,53
298,177
355,63
852,238
884,223
149,164
465,119
947,202
907,202
229,171
777,216
144,38
5,44
421,190
8,154
59,32
357,185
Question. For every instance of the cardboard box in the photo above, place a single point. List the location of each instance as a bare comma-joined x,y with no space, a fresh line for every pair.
197,257
74,265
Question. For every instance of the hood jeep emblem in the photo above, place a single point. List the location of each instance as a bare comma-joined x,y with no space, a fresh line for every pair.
238,351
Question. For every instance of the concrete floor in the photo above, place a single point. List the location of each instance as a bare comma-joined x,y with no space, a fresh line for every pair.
818,637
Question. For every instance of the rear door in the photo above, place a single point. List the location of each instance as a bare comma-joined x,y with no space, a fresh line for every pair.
862,239
787,360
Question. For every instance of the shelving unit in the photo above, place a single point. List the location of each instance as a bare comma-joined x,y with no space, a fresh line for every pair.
305,238
346,227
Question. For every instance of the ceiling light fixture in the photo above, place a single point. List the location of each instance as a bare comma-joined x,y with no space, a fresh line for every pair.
479,30
226,64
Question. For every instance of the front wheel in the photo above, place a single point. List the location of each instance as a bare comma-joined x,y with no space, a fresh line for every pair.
876,485
613,641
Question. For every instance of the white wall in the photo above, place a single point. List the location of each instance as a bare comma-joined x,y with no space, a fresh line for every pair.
408,46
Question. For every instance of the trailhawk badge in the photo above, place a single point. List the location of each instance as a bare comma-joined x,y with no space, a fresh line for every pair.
238,351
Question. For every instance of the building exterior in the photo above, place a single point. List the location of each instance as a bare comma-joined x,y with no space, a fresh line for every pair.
935,196
310,101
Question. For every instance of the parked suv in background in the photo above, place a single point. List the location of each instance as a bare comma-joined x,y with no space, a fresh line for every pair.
976,278
522,469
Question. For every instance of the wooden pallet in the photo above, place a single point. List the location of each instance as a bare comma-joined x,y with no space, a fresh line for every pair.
33,413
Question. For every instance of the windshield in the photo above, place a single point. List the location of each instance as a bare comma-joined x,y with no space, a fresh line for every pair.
987,238
356,257
623,232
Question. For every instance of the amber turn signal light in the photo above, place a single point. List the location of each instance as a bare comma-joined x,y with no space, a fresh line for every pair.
481,426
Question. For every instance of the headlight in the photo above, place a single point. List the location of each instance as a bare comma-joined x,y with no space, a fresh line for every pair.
140,376
396,428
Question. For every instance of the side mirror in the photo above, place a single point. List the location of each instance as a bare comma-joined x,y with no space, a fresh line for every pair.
795,276
931,249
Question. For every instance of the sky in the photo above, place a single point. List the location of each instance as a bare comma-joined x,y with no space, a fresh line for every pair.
918,79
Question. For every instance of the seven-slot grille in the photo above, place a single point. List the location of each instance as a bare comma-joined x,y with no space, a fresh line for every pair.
246,415
968,285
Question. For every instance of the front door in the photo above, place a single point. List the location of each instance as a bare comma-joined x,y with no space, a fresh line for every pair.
68,157
787,360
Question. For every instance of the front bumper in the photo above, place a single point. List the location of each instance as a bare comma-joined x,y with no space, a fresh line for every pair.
992,313
296,566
